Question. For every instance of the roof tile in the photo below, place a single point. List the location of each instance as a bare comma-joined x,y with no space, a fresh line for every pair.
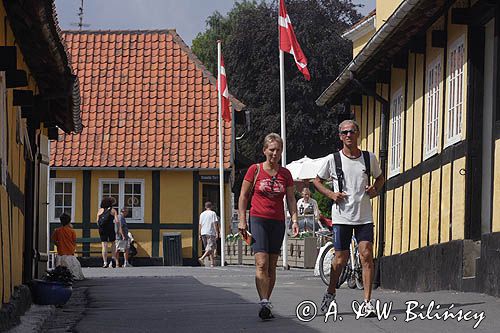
147,101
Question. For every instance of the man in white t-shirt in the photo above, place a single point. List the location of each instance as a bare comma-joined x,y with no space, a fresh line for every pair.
208,229
351,209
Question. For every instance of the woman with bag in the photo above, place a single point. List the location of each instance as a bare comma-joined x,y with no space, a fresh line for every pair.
267,184
106,219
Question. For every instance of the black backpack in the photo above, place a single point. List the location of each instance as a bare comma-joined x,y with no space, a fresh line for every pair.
104,218
340,173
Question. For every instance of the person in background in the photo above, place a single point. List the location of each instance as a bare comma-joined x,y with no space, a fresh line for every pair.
122,239
106,219
308,212
208,230
266,184
64,238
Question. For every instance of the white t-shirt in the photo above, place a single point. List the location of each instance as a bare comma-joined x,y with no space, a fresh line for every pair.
207,221
356,207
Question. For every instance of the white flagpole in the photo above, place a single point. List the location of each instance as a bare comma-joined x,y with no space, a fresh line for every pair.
221,164
284,248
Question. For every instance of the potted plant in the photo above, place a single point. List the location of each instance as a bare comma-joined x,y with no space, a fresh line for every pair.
55,288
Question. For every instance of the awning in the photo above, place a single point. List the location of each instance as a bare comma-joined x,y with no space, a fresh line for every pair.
410,20
306,168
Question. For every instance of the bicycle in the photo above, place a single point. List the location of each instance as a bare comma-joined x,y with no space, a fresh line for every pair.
352,272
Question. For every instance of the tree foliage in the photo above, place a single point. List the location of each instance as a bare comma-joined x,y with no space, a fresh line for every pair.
250,47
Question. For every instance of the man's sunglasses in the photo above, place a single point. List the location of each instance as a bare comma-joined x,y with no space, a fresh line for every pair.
347,132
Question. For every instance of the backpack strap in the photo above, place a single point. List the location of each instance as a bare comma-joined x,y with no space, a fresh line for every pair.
338,170
366,157
255,176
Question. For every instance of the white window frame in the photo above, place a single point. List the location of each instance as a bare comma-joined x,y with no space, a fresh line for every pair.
397,103
52,197
121,194
4,132
456,92
432,108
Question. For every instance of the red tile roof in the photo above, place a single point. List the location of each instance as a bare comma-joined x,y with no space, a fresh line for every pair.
147,102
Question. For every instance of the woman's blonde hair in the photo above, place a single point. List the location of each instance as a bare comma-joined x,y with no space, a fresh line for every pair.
306,190
272,137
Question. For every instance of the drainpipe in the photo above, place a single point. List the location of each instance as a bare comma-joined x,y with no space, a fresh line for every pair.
384,139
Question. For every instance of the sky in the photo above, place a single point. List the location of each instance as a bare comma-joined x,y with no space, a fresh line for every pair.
186,16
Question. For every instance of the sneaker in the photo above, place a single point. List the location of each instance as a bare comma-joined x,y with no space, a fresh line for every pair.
127,265
105,265
369,309
325,303
265,311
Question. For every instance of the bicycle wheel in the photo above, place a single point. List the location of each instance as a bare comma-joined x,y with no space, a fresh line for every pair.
344,274
326,263
355,278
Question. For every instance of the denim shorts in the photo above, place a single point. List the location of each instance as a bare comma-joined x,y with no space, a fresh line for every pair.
342,234
268,234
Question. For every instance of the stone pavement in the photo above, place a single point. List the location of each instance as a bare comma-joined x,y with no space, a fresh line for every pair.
223,299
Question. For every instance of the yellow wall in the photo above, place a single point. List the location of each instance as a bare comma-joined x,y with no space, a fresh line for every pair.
358,44
385,8
12,222
176,197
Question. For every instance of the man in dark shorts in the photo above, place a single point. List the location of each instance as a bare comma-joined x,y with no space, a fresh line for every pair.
351,209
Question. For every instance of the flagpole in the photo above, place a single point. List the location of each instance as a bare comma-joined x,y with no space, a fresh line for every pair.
284,252
221,162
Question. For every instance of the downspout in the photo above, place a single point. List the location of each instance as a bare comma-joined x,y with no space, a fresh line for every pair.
384,140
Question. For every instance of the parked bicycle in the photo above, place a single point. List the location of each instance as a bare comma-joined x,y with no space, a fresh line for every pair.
352,272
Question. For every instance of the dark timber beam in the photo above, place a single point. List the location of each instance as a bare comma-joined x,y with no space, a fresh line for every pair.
22,97
8,58
461,15
15,78
400,60
418,45
439,39
383,76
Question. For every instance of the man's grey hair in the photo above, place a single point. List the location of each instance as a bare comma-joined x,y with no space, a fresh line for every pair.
349,122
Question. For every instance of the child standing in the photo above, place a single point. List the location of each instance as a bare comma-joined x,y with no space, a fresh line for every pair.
65,240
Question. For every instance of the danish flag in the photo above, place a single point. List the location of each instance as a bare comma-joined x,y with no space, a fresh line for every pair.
226,109
288,41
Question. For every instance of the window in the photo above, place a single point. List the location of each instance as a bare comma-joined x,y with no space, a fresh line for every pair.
456,93
432,108
395,153
4,133
62,198
127,193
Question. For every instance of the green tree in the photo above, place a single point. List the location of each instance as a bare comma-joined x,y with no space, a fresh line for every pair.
250,47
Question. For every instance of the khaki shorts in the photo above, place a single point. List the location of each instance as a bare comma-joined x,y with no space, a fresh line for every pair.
122,245
210,242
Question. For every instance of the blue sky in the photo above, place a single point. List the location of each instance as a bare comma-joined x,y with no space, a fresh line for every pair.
186,16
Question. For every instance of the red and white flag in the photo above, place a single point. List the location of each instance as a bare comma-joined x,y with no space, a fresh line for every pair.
288,41
225,107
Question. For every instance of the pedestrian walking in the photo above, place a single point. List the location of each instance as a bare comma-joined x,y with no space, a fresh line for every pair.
350,169
208,230
267,184
106,219
64,238
122,239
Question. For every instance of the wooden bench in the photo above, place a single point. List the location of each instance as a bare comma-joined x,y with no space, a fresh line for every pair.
88,240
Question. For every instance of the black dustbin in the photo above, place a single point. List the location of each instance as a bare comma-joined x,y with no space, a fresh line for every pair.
172,249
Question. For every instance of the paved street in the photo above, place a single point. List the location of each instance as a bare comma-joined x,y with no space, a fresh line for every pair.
223,299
